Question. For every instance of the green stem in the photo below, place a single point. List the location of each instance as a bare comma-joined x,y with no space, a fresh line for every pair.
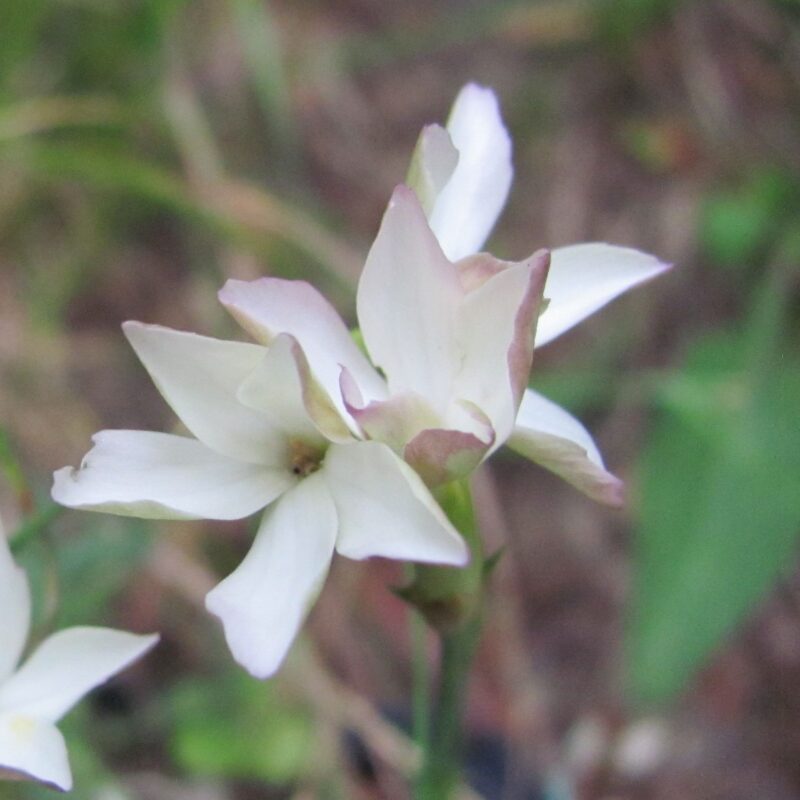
441,768
34,525
420,699
450,600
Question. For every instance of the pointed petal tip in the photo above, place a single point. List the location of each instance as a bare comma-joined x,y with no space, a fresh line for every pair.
231,290
253,663
469,204
541,259
226,294
613,493
664,266
464,556
134,330
477,92
402,195
149,641
433,129
131,325
351,393
586,277
655,267
550,436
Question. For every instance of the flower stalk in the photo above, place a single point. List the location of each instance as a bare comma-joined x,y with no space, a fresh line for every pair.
450,600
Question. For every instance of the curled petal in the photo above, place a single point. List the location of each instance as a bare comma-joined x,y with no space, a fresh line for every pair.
385,509
395,421
263,603
198,376
548,435
161,476
283,388
268,307
495,334
66,666
408,299
440,456
468,206
432,164
33,749
15,610
584,277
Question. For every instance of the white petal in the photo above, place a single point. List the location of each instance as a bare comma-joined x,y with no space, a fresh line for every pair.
550,436
283,388
33,749
270,306
495,334
584,277
263,603
68,665
385,509
15,609
161,476
432,164
470,203
407,302
198,376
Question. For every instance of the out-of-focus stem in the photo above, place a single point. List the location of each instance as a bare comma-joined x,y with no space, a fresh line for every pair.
420,699
451,602
441,770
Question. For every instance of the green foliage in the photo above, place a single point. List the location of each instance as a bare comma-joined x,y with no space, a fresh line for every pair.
100,560
720,506
20,25
738,226
622,22
238,727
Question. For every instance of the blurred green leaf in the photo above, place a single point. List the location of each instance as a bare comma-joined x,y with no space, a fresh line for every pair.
19,26
237,727
263,52
42,114
34,525
242,214
115,47
738,226
622,23
100,560
720,507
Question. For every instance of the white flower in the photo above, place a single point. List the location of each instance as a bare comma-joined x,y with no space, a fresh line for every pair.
36,694
455,342
463,176
267,434
452,329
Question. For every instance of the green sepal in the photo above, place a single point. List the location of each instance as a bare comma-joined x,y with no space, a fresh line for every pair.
448,597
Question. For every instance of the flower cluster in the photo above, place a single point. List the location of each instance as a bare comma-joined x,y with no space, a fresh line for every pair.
343,450
36,694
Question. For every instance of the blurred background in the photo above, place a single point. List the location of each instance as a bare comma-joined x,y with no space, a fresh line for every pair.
150,149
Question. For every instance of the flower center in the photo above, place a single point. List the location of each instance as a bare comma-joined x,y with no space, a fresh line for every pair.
304,458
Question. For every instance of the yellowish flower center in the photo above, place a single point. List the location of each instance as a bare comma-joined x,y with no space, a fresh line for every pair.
304,458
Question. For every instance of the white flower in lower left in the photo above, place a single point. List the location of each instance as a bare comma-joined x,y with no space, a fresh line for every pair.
268,436
35,695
